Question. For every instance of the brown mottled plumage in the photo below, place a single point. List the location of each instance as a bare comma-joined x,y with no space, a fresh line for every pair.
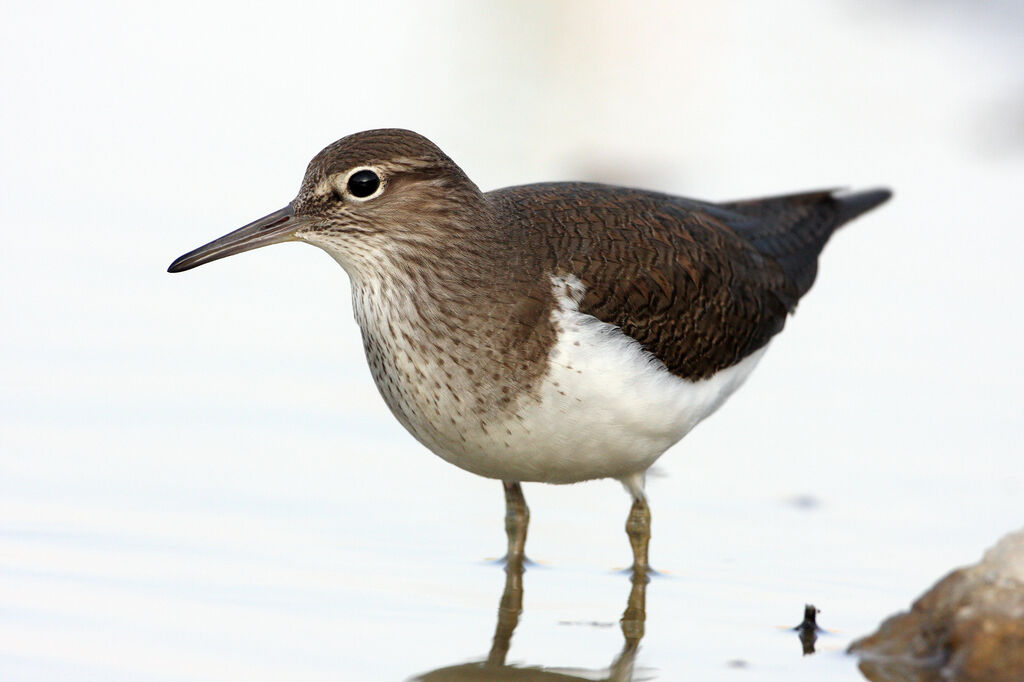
555,332
699,285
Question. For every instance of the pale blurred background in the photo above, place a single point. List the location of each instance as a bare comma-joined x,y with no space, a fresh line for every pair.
198,480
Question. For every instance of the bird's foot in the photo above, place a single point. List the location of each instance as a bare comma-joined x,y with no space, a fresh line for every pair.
508,559
642,571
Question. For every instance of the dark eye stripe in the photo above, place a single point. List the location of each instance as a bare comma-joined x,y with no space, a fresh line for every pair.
363,183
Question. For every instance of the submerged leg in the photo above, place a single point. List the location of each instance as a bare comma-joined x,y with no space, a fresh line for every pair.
632,623
638,528
517,518
509,609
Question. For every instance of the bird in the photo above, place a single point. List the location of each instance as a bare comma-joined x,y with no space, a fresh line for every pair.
556,332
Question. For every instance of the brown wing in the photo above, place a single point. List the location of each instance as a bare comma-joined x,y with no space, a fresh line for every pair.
700,286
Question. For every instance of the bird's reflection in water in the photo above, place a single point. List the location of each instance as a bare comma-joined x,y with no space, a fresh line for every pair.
511,606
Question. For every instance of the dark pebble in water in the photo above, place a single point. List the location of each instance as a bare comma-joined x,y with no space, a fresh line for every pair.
808,629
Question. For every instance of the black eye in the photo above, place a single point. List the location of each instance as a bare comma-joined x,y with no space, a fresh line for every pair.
363,183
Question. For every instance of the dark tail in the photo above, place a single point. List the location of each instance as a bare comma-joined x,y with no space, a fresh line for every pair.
853,204
793,229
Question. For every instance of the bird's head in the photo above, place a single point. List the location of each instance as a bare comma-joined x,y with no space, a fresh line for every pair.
362,197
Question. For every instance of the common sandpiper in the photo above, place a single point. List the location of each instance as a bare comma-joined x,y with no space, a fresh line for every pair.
554,332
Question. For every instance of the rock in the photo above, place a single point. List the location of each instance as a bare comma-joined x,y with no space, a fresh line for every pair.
968,628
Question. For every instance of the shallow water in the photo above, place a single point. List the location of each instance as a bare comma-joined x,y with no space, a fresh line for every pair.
226,592
198,480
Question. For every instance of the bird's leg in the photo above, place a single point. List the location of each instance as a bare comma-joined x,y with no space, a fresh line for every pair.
638,528
517,518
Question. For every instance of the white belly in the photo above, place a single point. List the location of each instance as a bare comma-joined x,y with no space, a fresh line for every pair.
605,408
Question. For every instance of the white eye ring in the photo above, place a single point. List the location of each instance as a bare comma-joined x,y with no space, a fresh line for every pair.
341,184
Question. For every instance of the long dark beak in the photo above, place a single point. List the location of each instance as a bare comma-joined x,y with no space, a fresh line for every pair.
279,226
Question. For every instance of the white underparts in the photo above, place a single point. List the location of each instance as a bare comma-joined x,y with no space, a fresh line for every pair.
607,408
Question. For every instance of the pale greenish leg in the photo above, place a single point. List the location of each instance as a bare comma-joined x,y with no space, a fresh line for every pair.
517,518
638,528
